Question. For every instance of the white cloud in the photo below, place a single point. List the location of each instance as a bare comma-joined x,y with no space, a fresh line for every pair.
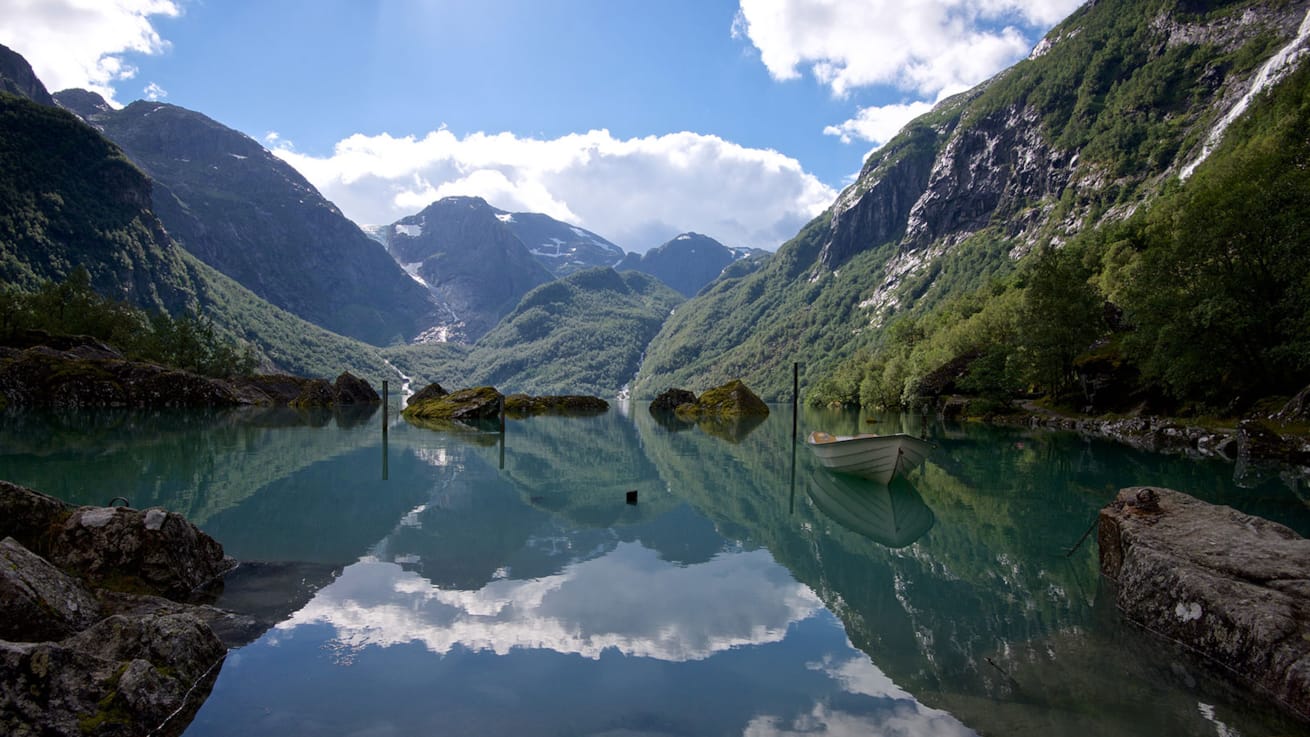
81,43
154,92
636,192
878,124
926,48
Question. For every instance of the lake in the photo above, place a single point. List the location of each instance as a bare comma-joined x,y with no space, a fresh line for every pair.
483,588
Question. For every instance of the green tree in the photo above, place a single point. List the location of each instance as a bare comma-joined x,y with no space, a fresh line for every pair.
1061,318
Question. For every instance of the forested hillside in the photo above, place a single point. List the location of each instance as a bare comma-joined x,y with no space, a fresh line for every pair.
1037,226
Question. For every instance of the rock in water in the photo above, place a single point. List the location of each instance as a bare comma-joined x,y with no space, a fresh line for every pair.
480,403
670,399
733,399
351,389
1232,587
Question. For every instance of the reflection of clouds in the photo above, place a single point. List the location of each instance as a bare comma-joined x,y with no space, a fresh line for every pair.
629,600
895,712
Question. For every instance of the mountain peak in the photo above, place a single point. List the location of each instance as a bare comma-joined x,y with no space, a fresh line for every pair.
82,103
17,78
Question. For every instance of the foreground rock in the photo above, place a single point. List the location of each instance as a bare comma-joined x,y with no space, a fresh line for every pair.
1232,587
733,399
83,372
86,648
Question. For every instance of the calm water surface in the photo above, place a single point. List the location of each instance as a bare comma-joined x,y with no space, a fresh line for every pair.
489,590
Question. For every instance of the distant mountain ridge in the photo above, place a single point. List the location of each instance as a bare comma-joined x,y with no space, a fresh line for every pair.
249,214
687,262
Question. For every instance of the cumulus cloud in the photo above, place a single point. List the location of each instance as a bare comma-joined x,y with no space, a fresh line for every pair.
81,43
878,124
154,92
926,48
637,192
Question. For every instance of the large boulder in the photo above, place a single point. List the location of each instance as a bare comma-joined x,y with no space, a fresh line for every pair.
350,389
150,551
733,399
670,399
123,676
1232,587
38,601
30,516
480,403
431,391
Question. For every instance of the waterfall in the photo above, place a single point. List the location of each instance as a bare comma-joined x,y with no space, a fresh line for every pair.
1273,70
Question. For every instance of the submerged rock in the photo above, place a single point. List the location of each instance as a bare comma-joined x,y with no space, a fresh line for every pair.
733,399
1232,587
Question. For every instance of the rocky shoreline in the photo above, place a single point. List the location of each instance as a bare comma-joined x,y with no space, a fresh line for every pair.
104,629
78,371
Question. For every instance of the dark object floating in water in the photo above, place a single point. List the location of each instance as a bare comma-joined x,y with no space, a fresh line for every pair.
632,497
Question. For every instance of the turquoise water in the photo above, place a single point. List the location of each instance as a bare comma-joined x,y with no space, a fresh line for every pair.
482,589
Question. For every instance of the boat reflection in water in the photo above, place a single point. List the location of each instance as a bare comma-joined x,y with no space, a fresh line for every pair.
893,515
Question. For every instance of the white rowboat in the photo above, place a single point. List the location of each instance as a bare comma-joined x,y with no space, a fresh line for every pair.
876,457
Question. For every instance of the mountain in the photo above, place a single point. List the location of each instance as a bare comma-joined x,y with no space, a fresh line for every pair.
69,197
247,213
470,261
560,247
932,253
687,263
17,78
582,334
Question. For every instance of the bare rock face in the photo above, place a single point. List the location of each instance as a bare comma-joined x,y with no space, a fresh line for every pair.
123,676
155,550
38,601
1232,587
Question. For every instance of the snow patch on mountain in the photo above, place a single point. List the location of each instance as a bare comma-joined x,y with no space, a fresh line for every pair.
412,231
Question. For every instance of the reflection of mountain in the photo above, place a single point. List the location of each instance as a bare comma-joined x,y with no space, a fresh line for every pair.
581,469
985,592
91,457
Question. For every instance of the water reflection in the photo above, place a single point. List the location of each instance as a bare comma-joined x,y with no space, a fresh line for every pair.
892,514
530,598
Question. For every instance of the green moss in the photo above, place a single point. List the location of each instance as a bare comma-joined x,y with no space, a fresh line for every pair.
733,399
451,406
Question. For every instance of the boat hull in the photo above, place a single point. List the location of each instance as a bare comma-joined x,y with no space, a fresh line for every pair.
876,457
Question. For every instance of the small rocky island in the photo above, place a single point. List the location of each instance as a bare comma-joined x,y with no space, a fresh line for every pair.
433,403
1229,586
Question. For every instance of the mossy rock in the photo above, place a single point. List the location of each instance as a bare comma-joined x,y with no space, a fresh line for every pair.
733,399
479,403
522,405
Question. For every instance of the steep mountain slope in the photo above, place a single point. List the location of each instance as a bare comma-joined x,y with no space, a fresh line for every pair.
70,198
1091,129
584,333
17,78
470,261
248,214
687,263
560,247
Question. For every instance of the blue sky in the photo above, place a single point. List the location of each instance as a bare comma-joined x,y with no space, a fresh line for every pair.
740,119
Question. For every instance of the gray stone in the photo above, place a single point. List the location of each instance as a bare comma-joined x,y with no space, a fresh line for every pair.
38,601
29,516
1234,588
123,676
151,551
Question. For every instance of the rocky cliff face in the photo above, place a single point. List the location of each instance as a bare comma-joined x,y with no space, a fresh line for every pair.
1108,111
469,260
17,78
239,208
